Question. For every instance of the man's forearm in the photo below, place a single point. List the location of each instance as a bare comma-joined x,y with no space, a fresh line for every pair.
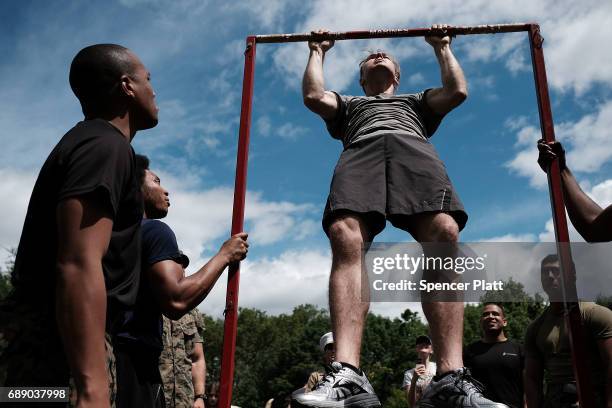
81,317
453,79
198,370
533,394
191,290
313,85
581,209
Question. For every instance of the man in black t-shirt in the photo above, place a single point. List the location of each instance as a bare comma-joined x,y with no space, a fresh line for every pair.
496,361
164,290
78,260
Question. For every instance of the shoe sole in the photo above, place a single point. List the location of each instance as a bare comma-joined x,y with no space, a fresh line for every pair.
425,404
357,401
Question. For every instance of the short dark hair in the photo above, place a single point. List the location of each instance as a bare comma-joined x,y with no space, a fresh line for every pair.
548,259
142,165
94,75
501,307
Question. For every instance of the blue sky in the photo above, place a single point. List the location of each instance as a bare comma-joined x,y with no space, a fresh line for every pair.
194,50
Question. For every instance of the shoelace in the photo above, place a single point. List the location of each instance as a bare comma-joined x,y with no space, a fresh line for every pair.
466,379
330,376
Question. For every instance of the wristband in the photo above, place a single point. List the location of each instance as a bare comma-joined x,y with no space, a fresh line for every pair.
203,396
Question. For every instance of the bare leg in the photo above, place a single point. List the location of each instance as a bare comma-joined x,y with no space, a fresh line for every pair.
348,311
445,318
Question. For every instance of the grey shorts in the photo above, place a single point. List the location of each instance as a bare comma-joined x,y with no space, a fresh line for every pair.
391,177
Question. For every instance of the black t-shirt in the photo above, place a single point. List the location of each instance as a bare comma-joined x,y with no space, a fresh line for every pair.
499,366
93,156
143,323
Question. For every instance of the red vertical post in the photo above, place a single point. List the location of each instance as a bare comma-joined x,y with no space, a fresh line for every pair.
231,300
571,306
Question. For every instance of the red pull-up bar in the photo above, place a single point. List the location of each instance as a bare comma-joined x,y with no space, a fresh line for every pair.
401,32
573,317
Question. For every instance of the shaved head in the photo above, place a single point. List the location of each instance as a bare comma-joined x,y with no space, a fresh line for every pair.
95,73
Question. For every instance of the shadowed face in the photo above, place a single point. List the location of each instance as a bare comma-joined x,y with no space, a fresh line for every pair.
156,201
424,350
329,355
550,275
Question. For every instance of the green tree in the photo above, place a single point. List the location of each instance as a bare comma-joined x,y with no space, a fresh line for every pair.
5,274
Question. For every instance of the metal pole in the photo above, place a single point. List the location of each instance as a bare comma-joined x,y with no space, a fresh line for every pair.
411,32
568,281
231,300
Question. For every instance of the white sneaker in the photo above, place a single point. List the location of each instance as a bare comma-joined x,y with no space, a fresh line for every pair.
340,387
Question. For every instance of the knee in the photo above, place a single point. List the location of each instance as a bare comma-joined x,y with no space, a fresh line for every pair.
345,236
447,231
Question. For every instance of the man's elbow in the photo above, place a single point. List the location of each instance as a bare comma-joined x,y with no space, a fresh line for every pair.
459,95
313,99
174,309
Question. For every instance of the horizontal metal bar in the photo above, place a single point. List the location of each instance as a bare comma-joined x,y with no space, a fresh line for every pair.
401,32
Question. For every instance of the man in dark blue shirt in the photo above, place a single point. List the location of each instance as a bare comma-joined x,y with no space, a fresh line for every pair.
164,290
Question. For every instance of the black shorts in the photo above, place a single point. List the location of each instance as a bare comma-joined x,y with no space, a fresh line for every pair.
391,177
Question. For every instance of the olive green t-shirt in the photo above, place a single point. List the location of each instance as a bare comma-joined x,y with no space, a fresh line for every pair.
547,340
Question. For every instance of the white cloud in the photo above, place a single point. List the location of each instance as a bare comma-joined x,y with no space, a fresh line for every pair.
202,217
290,131
510,238
566,25
601,193
277,284
525,163
17,186
587,142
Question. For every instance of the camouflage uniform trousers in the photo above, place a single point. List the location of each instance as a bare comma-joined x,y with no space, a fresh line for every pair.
31,352
179,339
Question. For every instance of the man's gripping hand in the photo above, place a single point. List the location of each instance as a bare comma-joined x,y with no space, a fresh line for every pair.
549,152
317,44
439,41
236,248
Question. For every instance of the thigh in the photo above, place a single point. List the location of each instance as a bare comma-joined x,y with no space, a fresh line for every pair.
432,226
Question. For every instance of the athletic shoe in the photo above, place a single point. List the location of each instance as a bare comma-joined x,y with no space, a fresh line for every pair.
340,387
457,389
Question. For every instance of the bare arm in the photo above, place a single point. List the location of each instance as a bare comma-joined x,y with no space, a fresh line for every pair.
198,372
534,373
605,351
454,86
411,393
178,294
316,98
84,231
589,219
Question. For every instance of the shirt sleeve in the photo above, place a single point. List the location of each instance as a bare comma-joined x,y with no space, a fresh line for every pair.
599,321
408,378
199,324
335,126
103,163
431,120
159,244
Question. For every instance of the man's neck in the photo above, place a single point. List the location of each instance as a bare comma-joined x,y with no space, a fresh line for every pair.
123,124
382,88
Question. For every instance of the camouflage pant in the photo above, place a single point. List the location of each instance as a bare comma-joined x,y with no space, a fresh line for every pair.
31,352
